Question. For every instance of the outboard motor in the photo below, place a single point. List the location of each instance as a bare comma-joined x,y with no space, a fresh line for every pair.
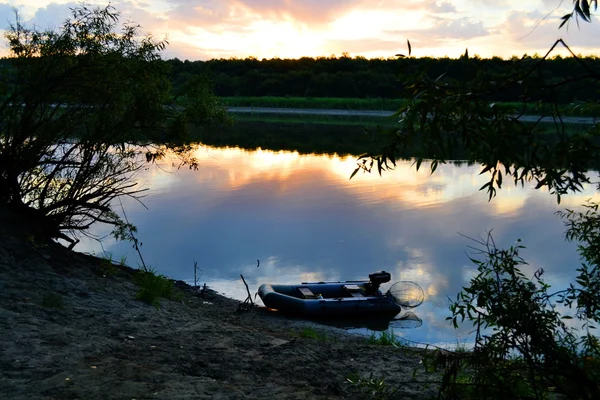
376,279
379,277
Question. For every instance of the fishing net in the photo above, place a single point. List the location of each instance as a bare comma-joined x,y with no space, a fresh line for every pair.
407,294
408,321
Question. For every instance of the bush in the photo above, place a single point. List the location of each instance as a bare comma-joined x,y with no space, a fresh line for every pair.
523,347
81,109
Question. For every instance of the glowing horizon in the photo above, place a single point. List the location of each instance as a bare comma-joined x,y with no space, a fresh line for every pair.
209,29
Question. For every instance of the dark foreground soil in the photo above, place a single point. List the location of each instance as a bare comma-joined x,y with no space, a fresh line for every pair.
70,328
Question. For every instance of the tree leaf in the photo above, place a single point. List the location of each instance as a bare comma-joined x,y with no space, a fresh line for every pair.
418,162
565,18
585,7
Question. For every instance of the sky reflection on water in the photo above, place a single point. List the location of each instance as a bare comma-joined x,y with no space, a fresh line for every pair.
305,220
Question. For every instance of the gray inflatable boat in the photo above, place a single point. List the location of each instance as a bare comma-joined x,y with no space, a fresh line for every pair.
334,299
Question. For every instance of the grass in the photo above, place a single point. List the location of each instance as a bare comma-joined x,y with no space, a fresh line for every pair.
313,102
311,333
153,287
388,104
462,348
385,338
108,267
335,120
371,387
370,122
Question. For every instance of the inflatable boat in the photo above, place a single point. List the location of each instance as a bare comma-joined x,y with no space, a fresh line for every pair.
334,299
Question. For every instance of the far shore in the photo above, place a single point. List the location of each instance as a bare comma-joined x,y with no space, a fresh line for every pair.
383,114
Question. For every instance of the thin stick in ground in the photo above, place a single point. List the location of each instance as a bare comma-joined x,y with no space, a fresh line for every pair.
248,302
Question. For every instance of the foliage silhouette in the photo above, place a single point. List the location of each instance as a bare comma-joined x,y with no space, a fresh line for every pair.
524,344
527,345
79,108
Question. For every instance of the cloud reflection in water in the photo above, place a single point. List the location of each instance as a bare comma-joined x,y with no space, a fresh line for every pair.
306,221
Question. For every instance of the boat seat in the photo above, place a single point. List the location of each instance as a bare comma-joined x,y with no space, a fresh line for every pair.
307,293
353,290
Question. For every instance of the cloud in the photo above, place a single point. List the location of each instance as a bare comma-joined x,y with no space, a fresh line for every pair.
444,31
362,46
443,7
305,11
236,15
460,28
205,12
493,3
184,51
7,14
535,32
203,29
52,16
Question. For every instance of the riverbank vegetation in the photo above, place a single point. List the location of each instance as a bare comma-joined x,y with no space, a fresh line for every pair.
358,83
327,135
374,79
82,108
531,341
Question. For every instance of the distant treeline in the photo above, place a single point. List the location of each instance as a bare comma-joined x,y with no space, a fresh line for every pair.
359,77
557,79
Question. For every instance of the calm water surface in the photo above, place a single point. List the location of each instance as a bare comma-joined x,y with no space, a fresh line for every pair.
305,220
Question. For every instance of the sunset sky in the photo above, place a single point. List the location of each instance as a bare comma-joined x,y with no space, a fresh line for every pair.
205,29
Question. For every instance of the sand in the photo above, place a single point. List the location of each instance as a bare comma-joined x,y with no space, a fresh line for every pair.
71,328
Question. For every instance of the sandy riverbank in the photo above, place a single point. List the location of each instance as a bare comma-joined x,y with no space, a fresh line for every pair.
70,328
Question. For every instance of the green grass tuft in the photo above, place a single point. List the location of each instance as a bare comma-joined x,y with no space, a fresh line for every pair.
462,348
371,387
311,333
108,266
385,338
153,287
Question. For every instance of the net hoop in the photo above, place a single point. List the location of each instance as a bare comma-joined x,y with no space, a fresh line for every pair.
407,294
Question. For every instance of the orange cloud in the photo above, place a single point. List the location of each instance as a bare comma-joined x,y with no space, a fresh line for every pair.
204,29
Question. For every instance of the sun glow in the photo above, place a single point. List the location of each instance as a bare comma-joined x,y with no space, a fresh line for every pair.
283,39
261,39
372,24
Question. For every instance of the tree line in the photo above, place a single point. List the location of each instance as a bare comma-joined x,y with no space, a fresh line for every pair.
562,79
359,77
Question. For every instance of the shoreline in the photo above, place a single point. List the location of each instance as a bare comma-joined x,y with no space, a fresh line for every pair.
72,328
384,114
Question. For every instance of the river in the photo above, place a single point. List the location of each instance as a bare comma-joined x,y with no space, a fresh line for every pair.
303,218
